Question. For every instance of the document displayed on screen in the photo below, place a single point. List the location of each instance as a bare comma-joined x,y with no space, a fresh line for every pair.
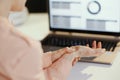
91,15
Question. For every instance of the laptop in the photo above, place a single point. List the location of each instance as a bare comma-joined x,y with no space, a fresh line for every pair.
80,22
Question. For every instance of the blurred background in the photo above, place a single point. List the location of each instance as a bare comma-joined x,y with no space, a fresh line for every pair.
32,6
36,6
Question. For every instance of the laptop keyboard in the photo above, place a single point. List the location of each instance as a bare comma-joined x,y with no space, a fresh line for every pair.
64,41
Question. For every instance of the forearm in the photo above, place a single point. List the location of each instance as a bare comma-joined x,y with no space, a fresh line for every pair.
46,59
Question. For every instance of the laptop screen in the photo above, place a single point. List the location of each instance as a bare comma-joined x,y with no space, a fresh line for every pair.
94,16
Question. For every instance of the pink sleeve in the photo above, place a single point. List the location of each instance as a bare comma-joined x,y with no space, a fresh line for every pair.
29,67
18,59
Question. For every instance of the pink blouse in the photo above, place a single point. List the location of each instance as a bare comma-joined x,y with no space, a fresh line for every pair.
20,57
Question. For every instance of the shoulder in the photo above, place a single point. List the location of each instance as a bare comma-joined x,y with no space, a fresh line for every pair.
16,55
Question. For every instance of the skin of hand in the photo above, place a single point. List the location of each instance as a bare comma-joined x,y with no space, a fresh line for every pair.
59,63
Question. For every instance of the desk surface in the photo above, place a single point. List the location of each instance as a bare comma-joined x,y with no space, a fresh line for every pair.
37,27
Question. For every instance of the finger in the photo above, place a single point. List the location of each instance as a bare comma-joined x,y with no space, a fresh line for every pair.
101,51
87,45
78,58
47,61
94,44
64,50
76,48
98,52
75,60
87,52
99,45
59,53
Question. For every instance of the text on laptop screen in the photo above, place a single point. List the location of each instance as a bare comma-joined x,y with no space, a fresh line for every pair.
86,15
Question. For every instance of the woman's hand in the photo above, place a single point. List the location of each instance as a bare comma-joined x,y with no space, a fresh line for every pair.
86,51
59,63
